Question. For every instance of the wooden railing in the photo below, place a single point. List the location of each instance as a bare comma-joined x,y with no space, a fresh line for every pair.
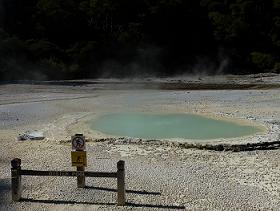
17,172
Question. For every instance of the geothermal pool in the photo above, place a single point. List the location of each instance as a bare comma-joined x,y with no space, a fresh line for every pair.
167,126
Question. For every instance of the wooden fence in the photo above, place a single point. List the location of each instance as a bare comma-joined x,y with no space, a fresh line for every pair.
17,172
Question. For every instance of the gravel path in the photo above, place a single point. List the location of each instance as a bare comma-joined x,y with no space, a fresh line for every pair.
166,178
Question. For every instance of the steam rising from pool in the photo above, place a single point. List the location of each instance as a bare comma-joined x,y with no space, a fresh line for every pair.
167,126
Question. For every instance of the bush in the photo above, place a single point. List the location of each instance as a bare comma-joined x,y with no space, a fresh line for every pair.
276,67
40,49
262,61
12,57
53,68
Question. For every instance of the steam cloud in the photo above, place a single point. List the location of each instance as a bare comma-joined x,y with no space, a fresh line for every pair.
146,63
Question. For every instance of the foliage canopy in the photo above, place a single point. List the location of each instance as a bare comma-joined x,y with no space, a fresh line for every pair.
62,39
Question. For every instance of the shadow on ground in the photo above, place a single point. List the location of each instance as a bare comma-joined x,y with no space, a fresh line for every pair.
5,185
160,206
130,204
127,191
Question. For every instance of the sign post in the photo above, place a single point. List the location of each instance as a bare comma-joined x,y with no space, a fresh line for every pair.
79,158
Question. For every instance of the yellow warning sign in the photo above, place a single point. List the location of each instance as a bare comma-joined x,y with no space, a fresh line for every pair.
79,158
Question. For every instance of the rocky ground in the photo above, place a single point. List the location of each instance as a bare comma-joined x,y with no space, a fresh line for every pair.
158,177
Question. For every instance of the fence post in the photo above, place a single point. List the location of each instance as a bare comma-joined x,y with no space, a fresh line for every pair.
121,182
16,179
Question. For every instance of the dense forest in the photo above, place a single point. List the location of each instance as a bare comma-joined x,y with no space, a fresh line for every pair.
66,39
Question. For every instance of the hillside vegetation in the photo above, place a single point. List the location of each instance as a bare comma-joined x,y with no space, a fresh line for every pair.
66,39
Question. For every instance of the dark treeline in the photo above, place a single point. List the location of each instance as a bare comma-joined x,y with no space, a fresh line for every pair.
65,39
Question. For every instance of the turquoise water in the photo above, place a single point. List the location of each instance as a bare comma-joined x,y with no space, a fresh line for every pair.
164,126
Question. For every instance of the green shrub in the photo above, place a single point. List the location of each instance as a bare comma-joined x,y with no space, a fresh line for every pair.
276,67
53,68
262,61
43,49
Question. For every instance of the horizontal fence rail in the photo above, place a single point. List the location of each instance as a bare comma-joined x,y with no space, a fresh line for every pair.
68,173
17,172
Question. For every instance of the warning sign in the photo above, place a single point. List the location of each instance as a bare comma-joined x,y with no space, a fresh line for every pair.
78,142
79,158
